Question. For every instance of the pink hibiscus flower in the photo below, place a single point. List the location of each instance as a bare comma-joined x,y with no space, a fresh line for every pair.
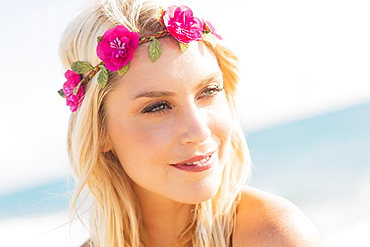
73,79
117,47
181,24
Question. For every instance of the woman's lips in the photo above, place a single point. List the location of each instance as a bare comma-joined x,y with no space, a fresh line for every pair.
196,164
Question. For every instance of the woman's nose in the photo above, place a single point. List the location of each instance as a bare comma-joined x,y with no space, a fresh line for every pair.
194,125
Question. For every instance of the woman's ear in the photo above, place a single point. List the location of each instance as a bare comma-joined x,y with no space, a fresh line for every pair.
106,145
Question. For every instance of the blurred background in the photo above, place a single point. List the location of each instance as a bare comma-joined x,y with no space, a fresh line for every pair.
304,105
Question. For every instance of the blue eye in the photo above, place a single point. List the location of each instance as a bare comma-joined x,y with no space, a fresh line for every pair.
157,107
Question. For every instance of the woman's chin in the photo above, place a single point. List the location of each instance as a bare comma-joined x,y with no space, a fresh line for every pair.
200,192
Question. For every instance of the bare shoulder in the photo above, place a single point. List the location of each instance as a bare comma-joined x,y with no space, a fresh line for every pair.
264,219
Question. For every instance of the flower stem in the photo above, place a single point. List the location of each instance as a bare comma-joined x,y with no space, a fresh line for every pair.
156,35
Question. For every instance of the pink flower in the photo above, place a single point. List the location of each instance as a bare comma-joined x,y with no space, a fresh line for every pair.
181,24
73,79
117,47
209,27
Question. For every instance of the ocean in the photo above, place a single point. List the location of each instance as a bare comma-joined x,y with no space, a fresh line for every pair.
322,164
327,156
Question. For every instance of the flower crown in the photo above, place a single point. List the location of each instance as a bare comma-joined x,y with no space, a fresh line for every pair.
117,46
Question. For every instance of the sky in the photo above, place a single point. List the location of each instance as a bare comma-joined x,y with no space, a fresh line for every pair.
298,59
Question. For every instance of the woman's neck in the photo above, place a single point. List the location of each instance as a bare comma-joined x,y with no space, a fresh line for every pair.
163,219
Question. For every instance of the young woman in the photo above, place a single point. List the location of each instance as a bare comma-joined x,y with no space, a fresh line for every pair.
154,142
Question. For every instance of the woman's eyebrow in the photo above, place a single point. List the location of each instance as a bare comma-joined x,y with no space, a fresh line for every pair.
158,94
154,94
209,79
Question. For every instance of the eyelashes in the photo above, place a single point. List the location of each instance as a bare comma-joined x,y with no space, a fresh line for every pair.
212,91
164,106
156,107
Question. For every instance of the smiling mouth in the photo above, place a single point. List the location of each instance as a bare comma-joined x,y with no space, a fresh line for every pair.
197,164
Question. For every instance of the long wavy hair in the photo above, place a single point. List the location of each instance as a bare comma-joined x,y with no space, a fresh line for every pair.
102,185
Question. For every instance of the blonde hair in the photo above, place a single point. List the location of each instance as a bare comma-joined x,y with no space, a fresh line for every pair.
115,216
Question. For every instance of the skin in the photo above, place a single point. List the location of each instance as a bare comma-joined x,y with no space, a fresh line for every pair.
159,117
265,220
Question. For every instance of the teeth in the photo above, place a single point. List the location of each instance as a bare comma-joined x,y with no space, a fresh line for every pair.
198,162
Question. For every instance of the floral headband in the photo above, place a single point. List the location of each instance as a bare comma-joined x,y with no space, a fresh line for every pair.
117,46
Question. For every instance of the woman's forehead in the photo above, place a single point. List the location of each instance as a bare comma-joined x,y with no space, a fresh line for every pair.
197,62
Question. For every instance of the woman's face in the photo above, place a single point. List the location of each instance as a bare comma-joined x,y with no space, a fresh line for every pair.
169,123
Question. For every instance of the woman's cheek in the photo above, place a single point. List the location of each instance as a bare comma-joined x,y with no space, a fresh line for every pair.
222,117
154,135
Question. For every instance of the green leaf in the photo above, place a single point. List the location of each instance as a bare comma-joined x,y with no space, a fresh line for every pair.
208,29
211,38
184,46
103,76
75,90
161,11
81,67
123,70
99,38
61,93
155,49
